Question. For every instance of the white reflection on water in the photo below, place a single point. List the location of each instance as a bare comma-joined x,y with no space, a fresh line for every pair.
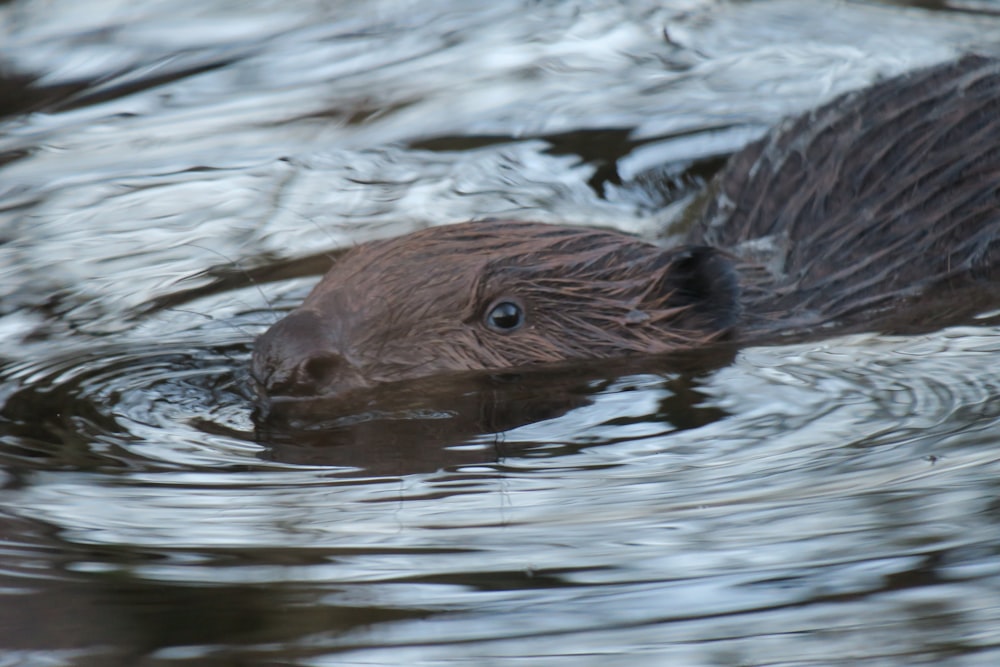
290,142
844,511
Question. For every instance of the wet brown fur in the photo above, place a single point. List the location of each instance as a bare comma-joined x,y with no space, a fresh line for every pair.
883,196
841,216
416,305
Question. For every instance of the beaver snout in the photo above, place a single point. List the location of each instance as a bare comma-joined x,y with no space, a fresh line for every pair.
297,357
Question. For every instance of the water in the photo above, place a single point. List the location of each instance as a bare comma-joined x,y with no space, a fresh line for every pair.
163,180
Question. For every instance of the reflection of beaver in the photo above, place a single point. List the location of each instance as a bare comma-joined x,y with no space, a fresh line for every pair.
842,217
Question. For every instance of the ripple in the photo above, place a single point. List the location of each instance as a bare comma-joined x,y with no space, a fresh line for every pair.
115,405
807,504
795,486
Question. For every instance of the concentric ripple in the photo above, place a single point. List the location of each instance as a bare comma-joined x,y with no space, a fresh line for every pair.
128,406
857,469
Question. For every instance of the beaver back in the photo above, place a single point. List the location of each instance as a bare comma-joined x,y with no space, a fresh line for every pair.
881,195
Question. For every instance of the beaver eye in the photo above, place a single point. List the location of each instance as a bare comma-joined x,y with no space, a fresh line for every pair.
505,316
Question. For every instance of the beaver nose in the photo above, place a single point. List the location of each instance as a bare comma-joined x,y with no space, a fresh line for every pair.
315,375
297,358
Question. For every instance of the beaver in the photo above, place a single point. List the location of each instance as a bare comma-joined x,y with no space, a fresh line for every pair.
878,209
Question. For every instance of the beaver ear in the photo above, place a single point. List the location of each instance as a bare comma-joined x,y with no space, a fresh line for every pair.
705,280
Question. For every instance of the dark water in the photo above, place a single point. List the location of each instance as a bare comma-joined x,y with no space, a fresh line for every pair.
172,176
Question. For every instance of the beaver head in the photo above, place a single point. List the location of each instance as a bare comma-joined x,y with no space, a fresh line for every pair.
493,295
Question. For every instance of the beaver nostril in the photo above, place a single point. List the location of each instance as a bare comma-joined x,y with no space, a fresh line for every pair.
301,356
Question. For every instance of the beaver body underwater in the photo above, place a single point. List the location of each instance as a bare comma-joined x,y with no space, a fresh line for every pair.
880,209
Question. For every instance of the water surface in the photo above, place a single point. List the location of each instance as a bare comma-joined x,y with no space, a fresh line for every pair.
174,175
